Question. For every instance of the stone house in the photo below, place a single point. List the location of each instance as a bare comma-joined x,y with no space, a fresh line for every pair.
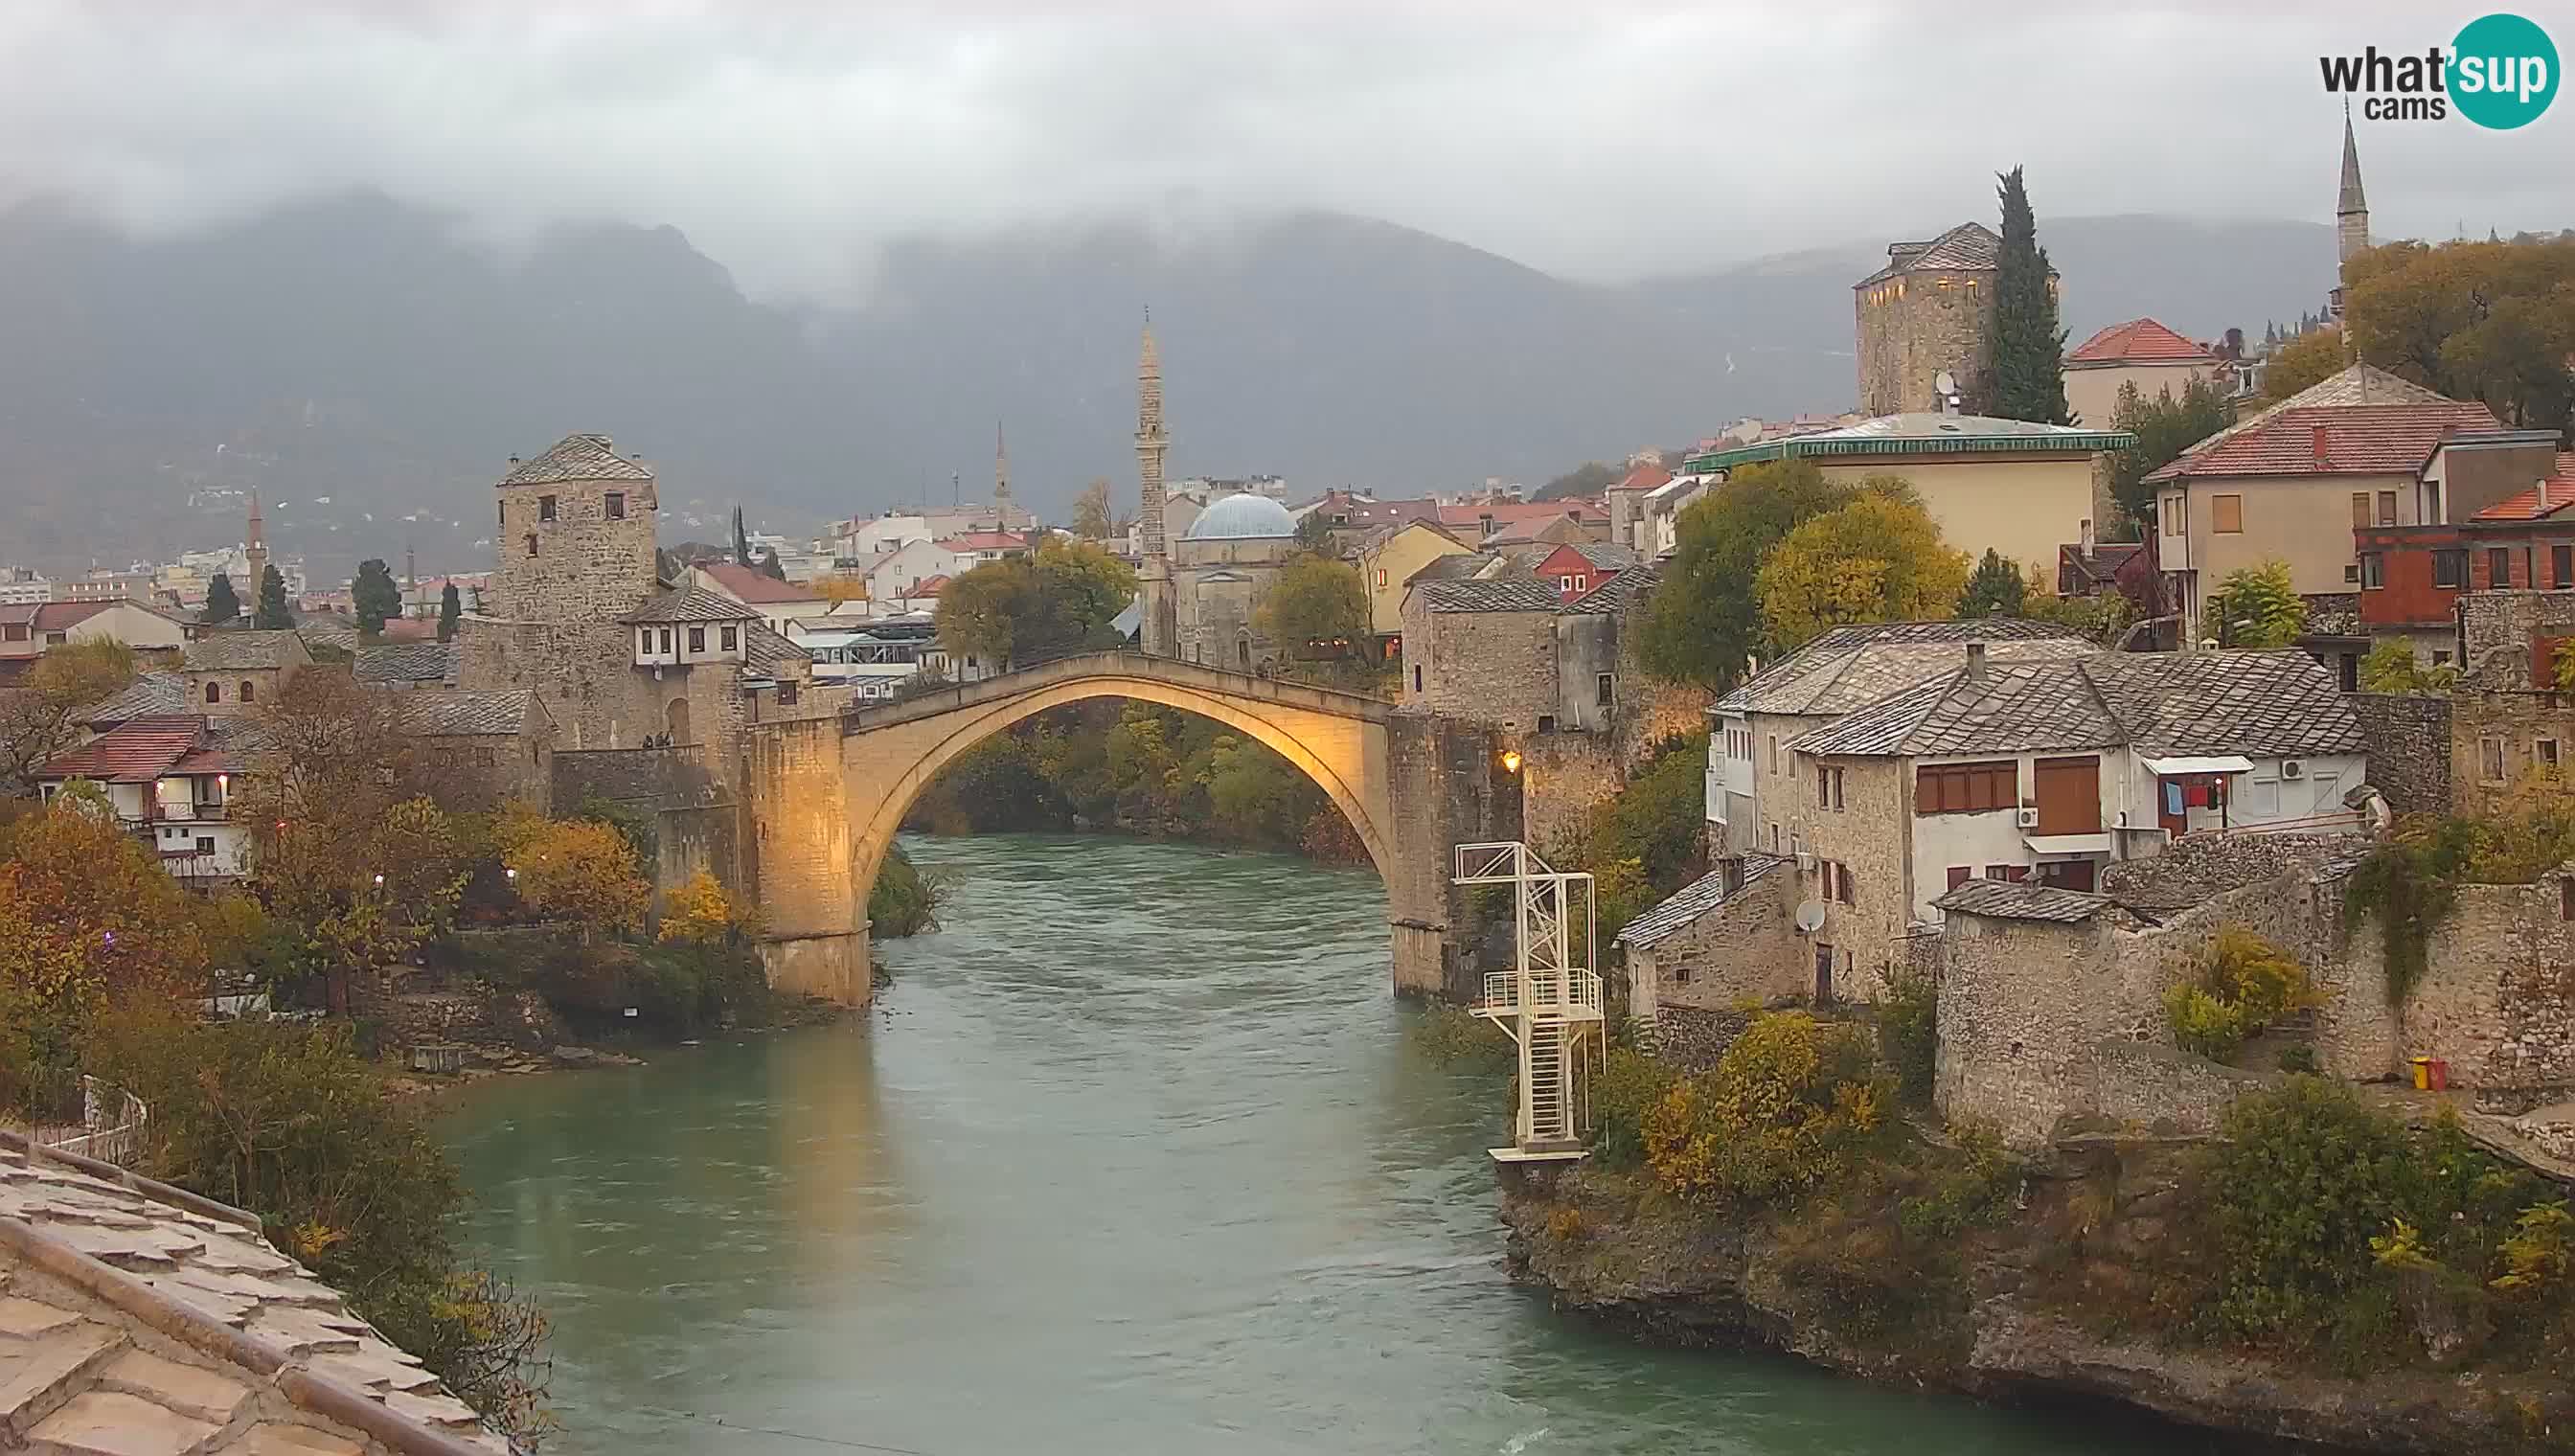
2140,352
482,748
406,667
1845,670
1483,651
2412,577
235,671
2014,487
2362,449
1724,937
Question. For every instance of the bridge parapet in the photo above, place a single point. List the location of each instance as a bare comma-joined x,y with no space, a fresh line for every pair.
1191,676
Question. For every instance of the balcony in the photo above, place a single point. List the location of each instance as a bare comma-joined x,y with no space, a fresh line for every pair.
1571,995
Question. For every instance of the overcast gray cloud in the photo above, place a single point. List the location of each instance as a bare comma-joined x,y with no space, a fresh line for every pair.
1598,141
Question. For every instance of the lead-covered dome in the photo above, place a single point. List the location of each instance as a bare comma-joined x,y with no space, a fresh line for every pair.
1243,518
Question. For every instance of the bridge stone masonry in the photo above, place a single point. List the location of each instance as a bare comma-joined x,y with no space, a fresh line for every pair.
824,799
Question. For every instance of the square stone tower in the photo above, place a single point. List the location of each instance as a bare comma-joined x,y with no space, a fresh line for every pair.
574,552
1925,312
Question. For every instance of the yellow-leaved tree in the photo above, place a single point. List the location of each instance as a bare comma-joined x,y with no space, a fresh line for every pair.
581,871
699,912
1878,558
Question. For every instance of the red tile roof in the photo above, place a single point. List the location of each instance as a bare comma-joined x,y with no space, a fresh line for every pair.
2333,440
2559,487
752,587
2140,341
1508,512
134,751
1644,478
929,586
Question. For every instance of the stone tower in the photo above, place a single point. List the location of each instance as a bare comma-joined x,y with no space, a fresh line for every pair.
2351,215
254,557
573,554
1159,630
1923,314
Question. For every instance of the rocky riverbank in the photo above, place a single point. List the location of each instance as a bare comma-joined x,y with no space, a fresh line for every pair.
2051,1301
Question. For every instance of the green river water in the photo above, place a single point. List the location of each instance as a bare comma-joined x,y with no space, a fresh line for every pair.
1133,1157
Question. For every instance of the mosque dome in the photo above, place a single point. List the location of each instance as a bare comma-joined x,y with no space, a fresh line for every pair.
1243,518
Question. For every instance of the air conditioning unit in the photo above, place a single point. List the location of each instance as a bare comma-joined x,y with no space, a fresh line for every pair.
1805,863
2028,818
2292,768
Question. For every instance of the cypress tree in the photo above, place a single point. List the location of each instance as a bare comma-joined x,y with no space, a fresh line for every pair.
2025,350
1996,588
272,614
220,604
741,541
450,611
375,596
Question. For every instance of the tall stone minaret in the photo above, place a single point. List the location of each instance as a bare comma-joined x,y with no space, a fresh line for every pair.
254,555
1159,631
2351,213
1001,479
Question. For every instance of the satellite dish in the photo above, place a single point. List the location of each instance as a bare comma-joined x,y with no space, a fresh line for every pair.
1945,381
1811,917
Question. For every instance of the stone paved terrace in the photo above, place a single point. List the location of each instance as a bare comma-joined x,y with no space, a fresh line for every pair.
139,1320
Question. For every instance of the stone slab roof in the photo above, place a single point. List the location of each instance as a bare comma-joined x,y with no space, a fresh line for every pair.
1601,554
577,458
137,1319
1613,597
770,655
246,651
149,693
2160,703
456,712
1499,594
410,662
1849,668
2024,900
690,603
1691,902
1966,248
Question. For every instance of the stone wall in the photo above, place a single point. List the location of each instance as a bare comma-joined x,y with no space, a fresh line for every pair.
1446,781
2498,630
1744,949
1563,776
801,856
1870,834
2409,748
642,777
1486,666
584,674
2496,740
2498,999
1693,1039
1907,339
2147,1084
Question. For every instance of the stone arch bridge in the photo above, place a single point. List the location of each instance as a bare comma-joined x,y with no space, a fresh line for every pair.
823,798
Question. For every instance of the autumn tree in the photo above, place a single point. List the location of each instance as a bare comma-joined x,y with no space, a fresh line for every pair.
1316,599
1996,590
451,612
1878,558
2301,364
1702,623
87,918
2165,427
1587,479
272,614
579,870
699,912
838,589
220,604
1091,517
42,718
1060,599
2025,350
2257,607
2491,321
356,865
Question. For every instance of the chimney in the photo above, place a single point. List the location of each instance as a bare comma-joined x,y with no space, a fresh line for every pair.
2323,457
1975,661
2087,538
2543,494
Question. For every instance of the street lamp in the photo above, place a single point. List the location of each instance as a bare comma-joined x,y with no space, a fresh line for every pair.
1511,761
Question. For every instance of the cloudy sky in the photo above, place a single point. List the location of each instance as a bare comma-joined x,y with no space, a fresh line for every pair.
1600,140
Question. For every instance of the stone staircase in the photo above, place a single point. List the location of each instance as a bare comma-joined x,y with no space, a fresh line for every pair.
71,1386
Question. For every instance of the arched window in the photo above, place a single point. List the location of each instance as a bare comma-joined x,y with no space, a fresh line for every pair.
214,693
674,719
249,690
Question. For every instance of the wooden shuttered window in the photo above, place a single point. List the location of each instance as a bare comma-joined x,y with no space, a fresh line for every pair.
1966,788
2226,514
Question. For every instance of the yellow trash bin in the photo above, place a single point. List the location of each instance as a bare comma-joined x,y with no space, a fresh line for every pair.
2422,1073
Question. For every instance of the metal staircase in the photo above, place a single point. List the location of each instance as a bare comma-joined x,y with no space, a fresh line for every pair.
1549,1000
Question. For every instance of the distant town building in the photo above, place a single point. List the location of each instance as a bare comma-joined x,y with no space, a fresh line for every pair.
2140,352
27,629
20,586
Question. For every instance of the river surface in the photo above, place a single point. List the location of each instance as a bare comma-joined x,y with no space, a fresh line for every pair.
1133,1156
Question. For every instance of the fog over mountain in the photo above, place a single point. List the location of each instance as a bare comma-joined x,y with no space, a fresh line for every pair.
368,351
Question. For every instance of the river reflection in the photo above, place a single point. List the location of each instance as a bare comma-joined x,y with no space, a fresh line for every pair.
1132,1158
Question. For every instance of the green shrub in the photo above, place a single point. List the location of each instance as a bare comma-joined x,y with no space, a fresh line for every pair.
1633,1082
1976,1190
2300,1057
1908,1022
904,901
2246,984
1455,1036
2203,1024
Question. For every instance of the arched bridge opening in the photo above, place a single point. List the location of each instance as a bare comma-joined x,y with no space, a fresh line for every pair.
828,797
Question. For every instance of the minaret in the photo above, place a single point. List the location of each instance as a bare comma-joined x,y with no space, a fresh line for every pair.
2351,214
1001,479
1159,630
254,554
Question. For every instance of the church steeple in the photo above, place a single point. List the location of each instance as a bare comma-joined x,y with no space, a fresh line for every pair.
2351,209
